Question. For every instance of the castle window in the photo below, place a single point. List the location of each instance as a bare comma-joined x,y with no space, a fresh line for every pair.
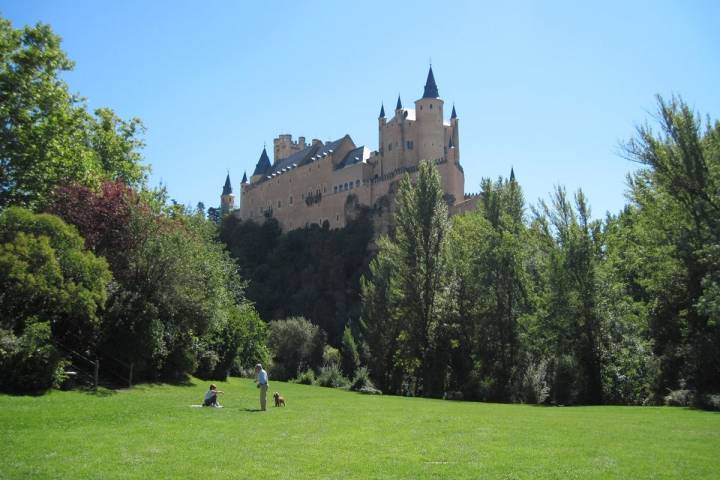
390,147
409,144
279,203
345,187
351,185
335,189
431,106
357,183
290,202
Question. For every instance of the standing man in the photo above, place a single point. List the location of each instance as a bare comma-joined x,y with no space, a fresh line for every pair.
262,383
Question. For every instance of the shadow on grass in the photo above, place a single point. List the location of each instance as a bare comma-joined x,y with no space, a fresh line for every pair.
250,410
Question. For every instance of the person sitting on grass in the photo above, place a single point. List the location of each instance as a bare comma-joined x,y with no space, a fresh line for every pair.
211,397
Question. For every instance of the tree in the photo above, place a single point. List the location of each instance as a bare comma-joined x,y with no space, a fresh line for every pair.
292,342
676,203
489,258
47,136
52,291
571,323
421,276
350,356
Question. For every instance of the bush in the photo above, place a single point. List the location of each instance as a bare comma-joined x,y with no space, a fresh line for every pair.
331,356
361,380
534,386
291,342
29,363
306,378
331,376
680,398
207,364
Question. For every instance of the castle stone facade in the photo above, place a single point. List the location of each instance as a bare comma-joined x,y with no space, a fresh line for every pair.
318,182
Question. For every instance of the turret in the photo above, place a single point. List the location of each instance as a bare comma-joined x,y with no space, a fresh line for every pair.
429,118
227,199
454,134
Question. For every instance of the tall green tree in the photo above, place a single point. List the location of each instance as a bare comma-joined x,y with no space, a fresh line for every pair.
571,323
676,197
489,257
47,136
421,276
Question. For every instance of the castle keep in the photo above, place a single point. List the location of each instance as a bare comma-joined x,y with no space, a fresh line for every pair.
315,182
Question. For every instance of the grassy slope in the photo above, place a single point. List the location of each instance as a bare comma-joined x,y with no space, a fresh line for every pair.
151,432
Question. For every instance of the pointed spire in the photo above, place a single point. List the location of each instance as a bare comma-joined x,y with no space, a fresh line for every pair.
227,188
512,174
399,103
244,180
263,163
382,110
453,115
431,90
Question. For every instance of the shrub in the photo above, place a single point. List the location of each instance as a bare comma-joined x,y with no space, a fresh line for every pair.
207,364
291,342
29,363
680,398
331,376
361,380
331,356
534,386
306,378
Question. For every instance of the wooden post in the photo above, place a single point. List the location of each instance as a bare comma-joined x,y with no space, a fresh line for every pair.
97,372
130,375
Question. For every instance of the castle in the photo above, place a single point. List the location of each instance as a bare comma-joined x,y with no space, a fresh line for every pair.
317,182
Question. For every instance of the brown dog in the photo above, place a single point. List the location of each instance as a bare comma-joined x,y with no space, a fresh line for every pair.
278,400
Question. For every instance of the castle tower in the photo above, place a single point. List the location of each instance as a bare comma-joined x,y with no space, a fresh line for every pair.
429,118
227,199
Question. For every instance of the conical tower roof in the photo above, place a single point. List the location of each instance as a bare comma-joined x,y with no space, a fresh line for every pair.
263,163
431,90
399,103
227,188
244,180
454,113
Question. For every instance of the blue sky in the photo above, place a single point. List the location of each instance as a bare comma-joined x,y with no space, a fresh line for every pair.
549,88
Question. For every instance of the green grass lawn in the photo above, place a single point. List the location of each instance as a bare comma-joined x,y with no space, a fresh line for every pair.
151,432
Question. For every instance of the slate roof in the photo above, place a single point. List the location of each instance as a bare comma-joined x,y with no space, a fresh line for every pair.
354,156
227,188
454,113
431,90
263,164
303,157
